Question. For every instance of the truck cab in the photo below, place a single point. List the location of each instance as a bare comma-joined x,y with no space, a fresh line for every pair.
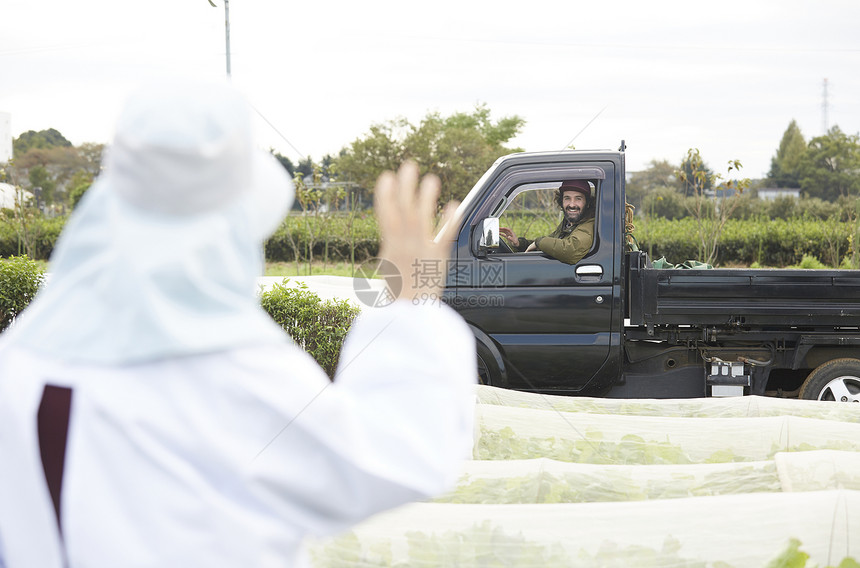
541,324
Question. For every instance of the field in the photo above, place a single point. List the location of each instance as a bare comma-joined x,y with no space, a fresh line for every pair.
560,482
317,268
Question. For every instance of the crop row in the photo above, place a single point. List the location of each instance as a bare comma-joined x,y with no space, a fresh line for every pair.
337,237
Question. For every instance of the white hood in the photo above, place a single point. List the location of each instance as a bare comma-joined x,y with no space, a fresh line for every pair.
161,257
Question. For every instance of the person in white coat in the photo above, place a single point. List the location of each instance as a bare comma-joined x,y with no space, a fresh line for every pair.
152,414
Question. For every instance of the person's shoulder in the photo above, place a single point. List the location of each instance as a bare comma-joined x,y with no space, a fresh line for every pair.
586,223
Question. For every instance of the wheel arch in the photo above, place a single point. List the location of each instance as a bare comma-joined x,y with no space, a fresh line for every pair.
486,346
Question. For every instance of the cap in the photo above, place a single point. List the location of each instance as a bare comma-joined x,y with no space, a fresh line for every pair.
580,185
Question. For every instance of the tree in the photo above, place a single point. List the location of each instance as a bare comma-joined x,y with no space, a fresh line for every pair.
692,167
322,171
78,186
664,202
53,168
657,176
382,149
461,147
42,185
285,161
50,138
49,162
830,167
90,155
23,214
458,148
784,165
712,200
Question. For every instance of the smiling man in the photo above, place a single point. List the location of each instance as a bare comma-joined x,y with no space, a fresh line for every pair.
573,237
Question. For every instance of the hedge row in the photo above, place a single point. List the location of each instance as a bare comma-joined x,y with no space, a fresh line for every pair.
35,237
343,237
335,237
768,242
20,279
282,247
317,327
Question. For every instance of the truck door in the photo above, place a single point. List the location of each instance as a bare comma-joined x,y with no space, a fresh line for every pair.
550,321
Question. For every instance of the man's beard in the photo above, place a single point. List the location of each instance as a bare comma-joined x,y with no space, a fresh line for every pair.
572,215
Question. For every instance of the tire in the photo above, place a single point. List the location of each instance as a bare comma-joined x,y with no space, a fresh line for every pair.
488,370
836,380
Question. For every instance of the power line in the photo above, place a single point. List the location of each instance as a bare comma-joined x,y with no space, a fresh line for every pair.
278,132
583,128
227,46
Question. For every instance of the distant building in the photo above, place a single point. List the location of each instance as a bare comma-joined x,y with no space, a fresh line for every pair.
7,196
5,137
771,193
722,192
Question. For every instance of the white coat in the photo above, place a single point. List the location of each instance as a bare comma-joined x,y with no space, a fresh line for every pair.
199,434
230,458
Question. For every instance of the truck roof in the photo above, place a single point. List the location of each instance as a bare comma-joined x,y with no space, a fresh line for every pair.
559,156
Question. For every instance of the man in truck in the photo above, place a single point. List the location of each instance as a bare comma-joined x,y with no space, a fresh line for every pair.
573,237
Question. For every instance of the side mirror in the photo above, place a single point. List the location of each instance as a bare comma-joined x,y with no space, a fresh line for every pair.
489,238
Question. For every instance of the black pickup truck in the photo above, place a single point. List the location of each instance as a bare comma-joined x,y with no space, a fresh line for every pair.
611,325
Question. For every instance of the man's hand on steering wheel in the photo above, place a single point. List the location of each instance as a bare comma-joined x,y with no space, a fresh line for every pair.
509,235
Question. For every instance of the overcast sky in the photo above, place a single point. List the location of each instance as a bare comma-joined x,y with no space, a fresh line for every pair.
724,76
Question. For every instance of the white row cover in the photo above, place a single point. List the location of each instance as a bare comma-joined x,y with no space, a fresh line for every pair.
575,482
505,433
728,407
548,481
714,532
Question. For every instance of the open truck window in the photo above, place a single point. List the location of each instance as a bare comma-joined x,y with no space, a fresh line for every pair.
531,210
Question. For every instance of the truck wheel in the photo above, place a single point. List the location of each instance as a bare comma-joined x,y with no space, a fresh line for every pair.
488,371
837,380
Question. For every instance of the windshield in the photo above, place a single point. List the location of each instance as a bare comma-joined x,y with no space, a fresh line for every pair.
466,204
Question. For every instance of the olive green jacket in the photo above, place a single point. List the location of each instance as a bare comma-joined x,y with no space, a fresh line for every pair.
567,246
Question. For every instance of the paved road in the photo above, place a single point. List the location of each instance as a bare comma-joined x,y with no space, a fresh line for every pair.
326,287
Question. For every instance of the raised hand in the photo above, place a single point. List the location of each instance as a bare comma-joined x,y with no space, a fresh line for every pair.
405,212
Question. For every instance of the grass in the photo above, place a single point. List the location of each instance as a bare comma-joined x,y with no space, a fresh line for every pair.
287,269
317,268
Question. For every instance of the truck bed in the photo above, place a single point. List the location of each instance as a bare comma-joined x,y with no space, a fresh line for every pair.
747,298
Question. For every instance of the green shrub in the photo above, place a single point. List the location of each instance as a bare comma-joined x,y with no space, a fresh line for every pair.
20,279
809,261
40,235
317,327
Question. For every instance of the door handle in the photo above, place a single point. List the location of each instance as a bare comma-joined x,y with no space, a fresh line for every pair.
590,271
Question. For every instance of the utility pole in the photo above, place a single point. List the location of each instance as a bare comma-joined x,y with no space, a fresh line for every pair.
226,30
227,34
824,109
